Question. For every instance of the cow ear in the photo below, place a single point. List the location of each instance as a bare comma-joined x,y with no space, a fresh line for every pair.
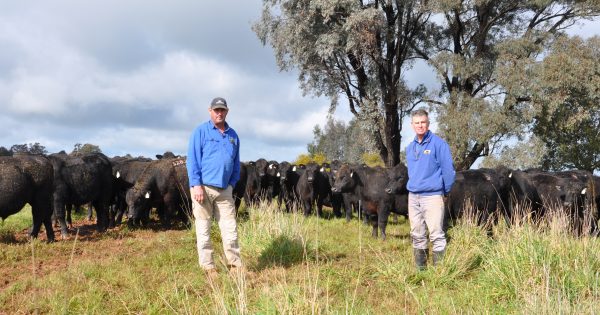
294,169
584,191
118,174
147,196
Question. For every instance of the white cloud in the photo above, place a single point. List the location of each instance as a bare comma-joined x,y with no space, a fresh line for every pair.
137,77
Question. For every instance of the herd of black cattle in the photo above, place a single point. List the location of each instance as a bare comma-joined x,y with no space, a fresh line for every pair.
54,184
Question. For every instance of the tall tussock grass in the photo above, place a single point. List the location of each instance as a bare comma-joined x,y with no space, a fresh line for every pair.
309,265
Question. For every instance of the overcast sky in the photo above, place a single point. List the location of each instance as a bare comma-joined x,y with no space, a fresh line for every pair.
137,76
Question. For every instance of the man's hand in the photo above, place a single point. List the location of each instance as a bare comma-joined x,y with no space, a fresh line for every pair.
198,193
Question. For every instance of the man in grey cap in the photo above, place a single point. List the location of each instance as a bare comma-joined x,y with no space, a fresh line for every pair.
213,165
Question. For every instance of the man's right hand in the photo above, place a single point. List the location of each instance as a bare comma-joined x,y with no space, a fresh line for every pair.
198,194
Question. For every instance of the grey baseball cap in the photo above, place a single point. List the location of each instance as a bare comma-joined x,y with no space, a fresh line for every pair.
218,102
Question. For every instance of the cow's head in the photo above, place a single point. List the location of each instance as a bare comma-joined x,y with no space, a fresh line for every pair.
345,180
138,201
397,179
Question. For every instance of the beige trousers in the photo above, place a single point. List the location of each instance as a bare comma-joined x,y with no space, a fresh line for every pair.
218,204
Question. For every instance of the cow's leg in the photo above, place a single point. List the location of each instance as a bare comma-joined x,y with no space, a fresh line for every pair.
69,208
307,205
320,207
89,212
382,218
120,207
59,215
37,221
41,210
374,223
347,208
101,215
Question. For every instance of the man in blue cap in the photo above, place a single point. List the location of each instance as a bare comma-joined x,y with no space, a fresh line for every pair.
213,165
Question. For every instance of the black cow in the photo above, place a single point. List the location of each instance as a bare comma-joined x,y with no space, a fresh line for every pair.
397,179
289,175
125,172
484,192
263,177
163,184
81,179
274,185
27,179
583,209
350,200
335,201
252,190
313,186
369,184
268,181
240,187
571,190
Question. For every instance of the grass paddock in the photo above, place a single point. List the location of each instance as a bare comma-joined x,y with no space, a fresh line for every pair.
298,265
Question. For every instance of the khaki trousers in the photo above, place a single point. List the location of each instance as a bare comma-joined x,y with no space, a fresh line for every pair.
218,204
426,213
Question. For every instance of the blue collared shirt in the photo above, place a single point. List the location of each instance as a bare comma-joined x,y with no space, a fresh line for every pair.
213,157
430,169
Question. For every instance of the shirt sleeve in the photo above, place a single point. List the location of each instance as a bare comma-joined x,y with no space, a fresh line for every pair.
447,167
193,159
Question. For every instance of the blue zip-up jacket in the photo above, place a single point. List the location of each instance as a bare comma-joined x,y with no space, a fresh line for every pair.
213,158
430,169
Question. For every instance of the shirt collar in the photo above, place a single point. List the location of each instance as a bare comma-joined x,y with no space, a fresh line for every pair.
212,125
426,138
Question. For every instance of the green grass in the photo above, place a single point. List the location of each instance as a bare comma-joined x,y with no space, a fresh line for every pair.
15,223
300,265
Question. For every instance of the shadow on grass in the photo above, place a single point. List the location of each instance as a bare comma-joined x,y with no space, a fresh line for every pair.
283,252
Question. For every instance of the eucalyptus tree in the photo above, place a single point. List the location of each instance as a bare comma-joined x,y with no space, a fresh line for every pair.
486,55
357,50
568,94
340,141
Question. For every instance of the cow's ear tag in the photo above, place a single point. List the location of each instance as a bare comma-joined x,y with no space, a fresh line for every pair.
294,169
558,187
583,191
147,195
118,174
278,174
322,169
270,166
510,175
351,174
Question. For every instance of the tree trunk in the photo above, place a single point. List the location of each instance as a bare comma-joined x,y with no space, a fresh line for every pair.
392,132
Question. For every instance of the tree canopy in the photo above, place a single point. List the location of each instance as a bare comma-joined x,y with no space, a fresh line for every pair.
489,59
79,148
32,148
337,140
353,49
